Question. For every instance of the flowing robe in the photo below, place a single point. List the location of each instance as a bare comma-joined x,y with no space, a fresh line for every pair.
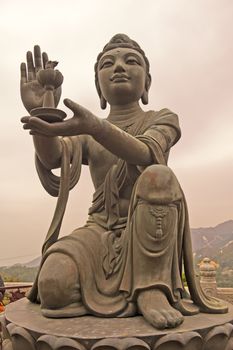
115,256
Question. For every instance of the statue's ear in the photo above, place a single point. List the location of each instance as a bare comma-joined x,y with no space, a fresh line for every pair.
103,102
144,97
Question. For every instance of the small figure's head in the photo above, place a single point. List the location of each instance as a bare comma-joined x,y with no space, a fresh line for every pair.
122,72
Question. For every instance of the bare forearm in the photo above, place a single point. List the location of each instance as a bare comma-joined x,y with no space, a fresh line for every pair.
48,150
122,144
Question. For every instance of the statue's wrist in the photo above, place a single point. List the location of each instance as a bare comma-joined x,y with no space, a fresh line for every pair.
97,129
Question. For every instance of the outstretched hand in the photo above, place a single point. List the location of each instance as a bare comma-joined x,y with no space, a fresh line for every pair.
32,92
82,122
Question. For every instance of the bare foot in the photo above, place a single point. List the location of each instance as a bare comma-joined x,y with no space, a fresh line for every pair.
155,308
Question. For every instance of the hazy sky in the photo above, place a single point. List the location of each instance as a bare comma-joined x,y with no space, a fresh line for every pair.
190,48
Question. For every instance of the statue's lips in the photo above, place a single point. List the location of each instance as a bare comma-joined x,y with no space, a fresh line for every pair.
120,78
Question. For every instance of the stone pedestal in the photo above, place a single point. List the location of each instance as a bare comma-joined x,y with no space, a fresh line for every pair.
26,329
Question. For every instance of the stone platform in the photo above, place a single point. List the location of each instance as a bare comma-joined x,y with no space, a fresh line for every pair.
26,329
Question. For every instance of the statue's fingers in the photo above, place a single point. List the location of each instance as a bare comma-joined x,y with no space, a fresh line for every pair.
25,119
35,131
39,123
27,126
38,126
43,127
75,107
44,58
64,128
32,132
57,129
23,73
47,129
30,65
37,58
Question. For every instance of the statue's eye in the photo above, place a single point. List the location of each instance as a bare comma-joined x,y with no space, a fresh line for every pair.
106,63
132,60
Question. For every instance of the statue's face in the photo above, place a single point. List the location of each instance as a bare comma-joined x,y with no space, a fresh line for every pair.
122,76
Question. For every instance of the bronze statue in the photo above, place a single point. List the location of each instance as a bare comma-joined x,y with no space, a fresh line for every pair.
129,256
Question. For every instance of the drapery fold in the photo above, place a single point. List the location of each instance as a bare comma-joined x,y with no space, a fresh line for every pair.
104,250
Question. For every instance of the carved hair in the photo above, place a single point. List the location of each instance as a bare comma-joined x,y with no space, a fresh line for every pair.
119,40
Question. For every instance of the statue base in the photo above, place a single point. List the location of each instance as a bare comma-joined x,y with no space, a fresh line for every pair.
25,328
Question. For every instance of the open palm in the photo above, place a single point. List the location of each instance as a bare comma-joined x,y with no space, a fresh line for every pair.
32,92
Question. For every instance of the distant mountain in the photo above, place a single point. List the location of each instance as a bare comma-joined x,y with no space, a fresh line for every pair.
214,242
25,272
209,242
18,273
33,263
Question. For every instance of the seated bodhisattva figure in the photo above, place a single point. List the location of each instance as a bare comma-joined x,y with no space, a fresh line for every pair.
128,258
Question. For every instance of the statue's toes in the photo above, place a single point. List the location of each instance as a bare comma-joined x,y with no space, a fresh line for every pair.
180,318
170,317
158,320
174,318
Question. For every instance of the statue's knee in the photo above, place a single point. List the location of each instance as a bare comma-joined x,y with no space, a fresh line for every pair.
158,184
57,281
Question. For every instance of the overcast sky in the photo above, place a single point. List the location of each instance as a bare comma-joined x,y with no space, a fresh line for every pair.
190,48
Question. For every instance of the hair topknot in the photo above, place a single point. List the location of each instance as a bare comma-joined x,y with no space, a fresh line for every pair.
120,40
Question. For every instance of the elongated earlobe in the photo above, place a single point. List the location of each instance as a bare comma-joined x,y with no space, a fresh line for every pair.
144,97
103,102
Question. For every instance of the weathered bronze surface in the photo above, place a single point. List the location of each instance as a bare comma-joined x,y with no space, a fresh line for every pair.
128,258
27,329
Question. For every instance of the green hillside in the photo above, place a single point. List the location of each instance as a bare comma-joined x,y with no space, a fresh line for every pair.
18,273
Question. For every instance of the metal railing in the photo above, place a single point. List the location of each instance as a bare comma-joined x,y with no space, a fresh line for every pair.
13,293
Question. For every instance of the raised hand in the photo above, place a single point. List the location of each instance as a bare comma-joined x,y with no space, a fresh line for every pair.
82,122
31,91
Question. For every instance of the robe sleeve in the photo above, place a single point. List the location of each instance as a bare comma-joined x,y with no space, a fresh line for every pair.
60,186
161,135
49,180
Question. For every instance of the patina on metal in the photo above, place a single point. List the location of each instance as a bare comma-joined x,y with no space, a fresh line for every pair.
127,260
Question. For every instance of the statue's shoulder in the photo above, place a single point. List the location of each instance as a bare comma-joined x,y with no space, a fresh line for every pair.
163,117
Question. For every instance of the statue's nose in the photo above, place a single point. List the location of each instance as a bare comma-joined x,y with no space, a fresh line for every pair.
119,68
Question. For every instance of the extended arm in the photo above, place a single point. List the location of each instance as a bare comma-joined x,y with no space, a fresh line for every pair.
122,144
84,122
129,148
